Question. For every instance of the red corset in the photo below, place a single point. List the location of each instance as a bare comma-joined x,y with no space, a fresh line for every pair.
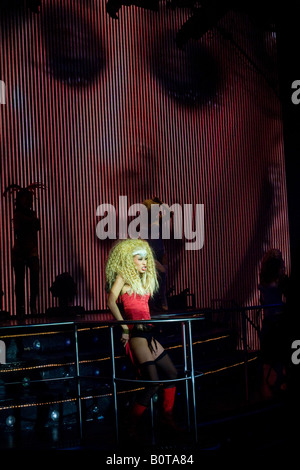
136,307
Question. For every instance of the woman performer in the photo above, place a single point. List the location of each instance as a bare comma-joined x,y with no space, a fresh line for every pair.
131,274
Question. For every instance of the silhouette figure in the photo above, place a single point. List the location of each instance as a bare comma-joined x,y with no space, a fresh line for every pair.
159,301
25,249
273,288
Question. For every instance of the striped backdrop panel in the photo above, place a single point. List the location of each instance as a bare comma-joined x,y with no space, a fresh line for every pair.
98,108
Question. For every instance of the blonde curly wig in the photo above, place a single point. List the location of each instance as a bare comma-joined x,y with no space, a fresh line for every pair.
120,261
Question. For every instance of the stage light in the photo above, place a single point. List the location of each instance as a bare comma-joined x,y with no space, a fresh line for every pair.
95,409
54,415
155,398
26,382
37,345
97,413
10,421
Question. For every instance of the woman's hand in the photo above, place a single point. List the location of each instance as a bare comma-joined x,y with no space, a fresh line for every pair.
125,337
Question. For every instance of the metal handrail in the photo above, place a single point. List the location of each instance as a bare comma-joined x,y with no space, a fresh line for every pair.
188,361
189,375
163,381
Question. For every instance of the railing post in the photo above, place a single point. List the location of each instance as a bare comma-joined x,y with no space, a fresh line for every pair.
184,346
152,420
77,365
114,382
244,333
193,379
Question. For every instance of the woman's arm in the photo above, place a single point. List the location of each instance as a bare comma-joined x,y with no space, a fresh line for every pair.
112,305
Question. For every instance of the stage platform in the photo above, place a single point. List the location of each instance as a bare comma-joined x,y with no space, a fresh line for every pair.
64,386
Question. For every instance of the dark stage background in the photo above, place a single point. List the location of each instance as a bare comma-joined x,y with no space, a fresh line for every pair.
98,107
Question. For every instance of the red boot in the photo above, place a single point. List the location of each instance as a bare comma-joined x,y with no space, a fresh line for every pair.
168,405
169,424
169,400
135,416
137,410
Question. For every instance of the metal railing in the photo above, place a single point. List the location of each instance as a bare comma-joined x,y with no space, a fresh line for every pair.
188,376
189,373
